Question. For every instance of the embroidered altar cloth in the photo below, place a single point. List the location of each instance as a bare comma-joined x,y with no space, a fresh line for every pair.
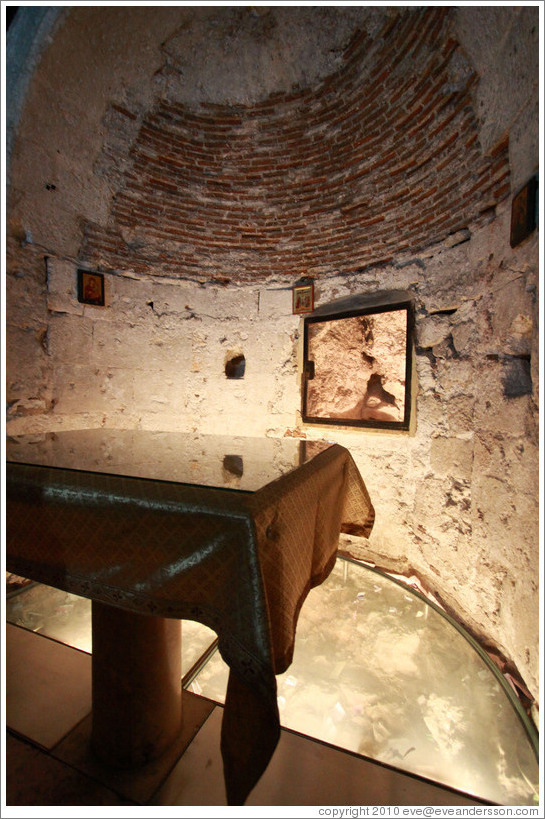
230,532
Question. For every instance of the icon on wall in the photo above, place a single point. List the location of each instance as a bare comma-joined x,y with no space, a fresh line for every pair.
524,212
303,298
90,288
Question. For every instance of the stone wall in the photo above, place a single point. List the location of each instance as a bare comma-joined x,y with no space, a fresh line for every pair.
390,166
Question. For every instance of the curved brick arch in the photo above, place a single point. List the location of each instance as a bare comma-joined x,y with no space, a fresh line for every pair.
382,157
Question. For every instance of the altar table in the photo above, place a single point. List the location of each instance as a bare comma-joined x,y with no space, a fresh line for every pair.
156,527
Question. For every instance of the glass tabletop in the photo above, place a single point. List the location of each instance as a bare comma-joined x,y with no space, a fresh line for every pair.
220,461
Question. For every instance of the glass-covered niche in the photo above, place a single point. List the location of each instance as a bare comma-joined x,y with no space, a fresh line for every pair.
358,362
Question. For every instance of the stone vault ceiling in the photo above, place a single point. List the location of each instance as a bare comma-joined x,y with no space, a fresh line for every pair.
242,55
244,143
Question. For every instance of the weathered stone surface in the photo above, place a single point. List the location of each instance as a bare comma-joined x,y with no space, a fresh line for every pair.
70,339
459,414
461,335
104,391
433,330
512,40
274,303
25,360
452,456
236,57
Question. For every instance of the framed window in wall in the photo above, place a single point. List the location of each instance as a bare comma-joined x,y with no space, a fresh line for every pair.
358,356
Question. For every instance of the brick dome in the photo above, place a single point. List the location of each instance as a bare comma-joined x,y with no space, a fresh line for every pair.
378,158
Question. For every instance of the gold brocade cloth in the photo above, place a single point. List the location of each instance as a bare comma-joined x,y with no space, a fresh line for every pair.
240,563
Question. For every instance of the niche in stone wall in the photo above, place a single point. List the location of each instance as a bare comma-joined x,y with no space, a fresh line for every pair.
235,366
358,362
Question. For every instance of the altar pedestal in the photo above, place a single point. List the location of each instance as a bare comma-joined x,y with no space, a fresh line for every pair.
137,689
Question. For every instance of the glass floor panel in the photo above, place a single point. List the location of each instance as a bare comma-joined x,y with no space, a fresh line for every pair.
67,618
377,670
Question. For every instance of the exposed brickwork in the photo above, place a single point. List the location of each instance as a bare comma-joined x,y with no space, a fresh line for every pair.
381,157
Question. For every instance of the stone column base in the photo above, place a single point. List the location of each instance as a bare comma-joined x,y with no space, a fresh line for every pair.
137,685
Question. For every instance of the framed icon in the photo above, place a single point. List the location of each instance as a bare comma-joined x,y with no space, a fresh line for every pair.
523,212
90,288
303,298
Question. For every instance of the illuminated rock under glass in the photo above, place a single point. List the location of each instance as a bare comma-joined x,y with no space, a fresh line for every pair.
359,368
380,672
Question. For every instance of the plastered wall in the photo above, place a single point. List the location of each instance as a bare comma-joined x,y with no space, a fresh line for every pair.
92,185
